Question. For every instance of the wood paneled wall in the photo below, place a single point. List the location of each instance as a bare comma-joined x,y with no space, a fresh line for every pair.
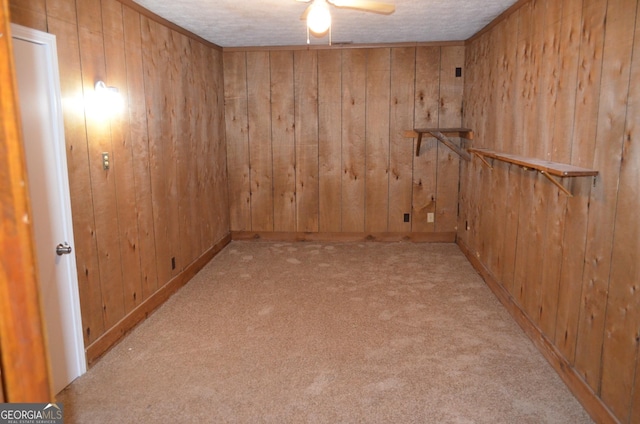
559,81
163,202
315,145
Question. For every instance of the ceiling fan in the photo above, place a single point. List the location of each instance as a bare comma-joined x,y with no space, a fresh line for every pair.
318,16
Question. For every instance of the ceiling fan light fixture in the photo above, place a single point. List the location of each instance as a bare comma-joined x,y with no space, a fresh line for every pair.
319,17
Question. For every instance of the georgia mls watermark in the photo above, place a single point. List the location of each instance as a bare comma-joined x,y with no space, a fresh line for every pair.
30,413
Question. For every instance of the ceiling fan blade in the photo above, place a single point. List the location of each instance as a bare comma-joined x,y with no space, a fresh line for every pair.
365,5
304,15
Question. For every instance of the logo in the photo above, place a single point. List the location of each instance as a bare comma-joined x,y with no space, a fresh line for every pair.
31,413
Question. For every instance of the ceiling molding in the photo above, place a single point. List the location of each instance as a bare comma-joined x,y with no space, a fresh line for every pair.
338,46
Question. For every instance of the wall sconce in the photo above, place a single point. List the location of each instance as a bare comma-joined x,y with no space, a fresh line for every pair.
107,100
102,88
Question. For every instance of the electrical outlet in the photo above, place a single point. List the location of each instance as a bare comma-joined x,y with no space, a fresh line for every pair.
407,217
430,217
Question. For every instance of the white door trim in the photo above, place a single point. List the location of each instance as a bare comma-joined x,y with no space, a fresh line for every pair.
73,303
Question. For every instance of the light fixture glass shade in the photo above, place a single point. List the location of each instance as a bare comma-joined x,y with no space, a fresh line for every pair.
319,18
106,101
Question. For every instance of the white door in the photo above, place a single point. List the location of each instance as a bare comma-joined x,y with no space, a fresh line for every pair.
42,125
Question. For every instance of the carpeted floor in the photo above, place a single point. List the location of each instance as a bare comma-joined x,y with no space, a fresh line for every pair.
326,333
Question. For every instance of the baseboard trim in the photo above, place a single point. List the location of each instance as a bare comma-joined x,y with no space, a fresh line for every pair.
449,237
112,336
580,389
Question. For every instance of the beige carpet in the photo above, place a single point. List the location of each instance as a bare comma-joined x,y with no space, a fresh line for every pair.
326,333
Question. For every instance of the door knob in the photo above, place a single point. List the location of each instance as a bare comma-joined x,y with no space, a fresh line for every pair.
63,249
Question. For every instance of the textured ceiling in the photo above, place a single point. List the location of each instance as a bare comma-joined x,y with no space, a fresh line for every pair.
243,23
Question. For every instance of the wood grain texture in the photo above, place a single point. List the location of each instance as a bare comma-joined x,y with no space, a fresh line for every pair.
573,102
525,128
377,140
122,156
283,141
29,13
547,16
79,179
426,102
569,42
634,416
554,202
582,152
172,121
506,58
237,131
306,140
206,109
513,276
140,152
160,107
449,116
622,321
129,221
88,12
62,10
189,235
354,68
565,86
24,364
260,148
400,151
472,114
330,140
215,200
102,182
618,45
343,98
589,82
486,231
505,136
572,267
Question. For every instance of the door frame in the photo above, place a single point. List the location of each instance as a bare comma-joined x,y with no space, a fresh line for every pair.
48,41
24,371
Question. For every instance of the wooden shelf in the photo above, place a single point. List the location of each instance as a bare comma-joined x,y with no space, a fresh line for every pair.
441,135
545,167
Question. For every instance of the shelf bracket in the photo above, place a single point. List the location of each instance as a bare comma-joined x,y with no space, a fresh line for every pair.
439,134
557,184
479,156
418,143
450,144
